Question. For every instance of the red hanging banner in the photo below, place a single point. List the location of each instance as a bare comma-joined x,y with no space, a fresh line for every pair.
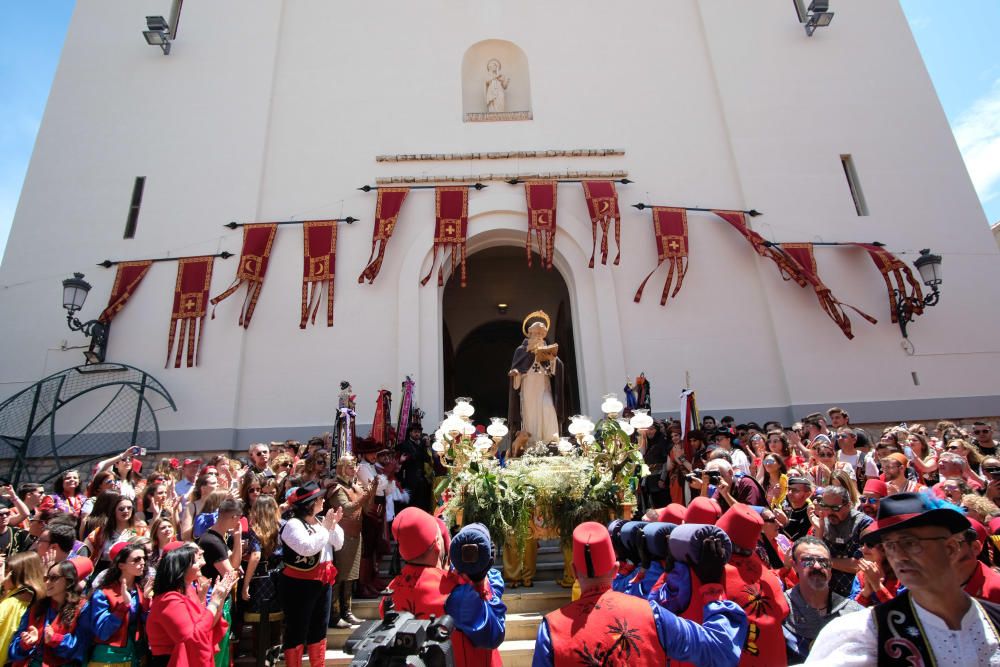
127,279
602,202
319,263
451,229
897,275
671,231
194,277
541,197
386,215
802,255
257,242
788,269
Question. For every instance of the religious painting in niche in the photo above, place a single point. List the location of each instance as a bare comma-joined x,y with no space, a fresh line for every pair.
495,84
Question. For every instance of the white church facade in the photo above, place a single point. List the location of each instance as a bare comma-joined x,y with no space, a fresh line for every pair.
279,111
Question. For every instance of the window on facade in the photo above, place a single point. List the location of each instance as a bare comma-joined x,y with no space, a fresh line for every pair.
854,183
133,209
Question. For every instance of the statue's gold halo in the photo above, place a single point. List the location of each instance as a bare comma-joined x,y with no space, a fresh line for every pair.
538,314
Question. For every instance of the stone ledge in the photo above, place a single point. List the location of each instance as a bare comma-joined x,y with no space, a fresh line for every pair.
496,116
500,155
477,178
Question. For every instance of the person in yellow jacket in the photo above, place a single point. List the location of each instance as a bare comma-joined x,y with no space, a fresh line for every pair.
23,583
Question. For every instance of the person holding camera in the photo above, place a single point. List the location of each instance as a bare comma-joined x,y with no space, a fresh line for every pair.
305,589
607,627
471,595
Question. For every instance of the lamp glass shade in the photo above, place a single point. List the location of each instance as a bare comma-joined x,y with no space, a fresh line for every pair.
589,439
497,428
468,428
438,447
463,407
641,419
452,424
611,405
627,427
929,267
482,442
75,291
564,446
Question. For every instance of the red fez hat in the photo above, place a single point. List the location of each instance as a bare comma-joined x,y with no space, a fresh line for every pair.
877,487
672,513
189,462
592,550
416,531
702,510
117,549
995,525
743,525
981,533
83,567
176,544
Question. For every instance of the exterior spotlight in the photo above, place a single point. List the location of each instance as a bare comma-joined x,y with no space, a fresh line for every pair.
157,33
502,308
817,16
75,291
929,267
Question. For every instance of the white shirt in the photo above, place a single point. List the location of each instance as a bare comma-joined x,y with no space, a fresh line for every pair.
871,470
740,461
307,543
367,472
852,640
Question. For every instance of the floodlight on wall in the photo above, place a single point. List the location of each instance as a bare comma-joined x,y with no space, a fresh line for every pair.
157,33
75,291
817,16
929,267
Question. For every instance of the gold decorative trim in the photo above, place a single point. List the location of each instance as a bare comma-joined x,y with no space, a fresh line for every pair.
479,178
500,155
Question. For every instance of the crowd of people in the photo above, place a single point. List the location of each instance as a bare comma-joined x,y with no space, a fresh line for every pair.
752,545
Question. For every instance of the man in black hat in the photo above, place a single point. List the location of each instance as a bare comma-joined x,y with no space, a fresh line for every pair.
416,467
934,621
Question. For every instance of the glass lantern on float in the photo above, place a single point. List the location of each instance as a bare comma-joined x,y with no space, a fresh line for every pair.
611,406
581,428
640,419
497,430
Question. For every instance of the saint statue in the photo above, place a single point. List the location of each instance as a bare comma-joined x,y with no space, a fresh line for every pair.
536,402
496,84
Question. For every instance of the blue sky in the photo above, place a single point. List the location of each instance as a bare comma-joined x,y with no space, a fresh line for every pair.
959,39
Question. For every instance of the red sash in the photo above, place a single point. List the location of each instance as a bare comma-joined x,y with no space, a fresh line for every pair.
604,627
423,591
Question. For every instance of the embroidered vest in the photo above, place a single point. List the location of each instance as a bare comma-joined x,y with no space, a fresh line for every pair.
758,592
423,591
42,650
605,627
296,565
116,603
900,637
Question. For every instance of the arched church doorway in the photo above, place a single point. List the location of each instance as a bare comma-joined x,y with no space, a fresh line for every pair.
480,338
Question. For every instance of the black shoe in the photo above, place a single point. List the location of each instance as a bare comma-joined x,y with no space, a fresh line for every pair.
352,619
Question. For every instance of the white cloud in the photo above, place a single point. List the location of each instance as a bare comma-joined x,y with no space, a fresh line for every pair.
977,132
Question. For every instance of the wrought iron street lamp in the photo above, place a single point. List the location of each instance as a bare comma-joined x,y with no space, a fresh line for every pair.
929,267
75,291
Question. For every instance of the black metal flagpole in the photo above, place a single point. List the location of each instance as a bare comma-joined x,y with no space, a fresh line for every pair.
107,264
753,213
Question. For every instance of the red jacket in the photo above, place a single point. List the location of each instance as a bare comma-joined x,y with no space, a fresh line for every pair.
984,583
423,591
184,629
606,627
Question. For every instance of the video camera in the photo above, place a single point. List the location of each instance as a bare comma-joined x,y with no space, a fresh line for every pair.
402,640
714,476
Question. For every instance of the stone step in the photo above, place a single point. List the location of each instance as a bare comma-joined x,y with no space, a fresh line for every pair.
544,596
513,653
519,626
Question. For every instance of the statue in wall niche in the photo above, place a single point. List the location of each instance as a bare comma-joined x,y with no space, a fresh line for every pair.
496,84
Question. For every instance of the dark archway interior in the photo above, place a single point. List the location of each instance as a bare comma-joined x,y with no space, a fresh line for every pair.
479,340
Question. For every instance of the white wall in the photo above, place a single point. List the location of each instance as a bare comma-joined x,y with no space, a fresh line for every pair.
278,114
